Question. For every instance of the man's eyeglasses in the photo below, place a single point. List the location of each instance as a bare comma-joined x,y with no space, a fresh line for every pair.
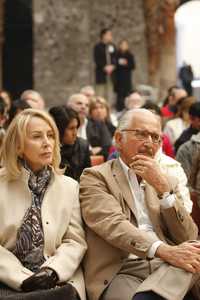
143,135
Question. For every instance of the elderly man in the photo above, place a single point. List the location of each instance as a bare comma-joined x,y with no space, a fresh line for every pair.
141,239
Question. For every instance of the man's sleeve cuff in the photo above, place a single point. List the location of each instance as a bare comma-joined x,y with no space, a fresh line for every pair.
154,247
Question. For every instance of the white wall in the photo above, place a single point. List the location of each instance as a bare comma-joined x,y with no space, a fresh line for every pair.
187,22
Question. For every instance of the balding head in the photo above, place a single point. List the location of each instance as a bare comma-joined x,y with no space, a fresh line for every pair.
33,98
134,100
80,104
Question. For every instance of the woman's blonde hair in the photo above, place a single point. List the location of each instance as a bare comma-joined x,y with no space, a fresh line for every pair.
14,140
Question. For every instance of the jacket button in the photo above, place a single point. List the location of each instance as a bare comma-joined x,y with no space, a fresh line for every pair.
47,222
133,243
180,216
105,282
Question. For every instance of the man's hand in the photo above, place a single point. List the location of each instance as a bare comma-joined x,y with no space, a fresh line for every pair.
109,69
45,278
185,256
148,168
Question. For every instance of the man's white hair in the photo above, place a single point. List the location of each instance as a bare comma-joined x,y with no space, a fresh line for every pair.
128,117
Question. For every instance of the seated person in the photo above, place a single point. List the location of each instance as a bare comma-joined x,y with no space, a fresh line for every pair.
175,127
75,153
187,152
41,236
99,110
141,239
194,114
95,132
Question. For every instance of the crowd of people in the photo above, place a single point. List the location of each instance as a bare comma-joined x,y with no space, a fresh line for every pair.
100,205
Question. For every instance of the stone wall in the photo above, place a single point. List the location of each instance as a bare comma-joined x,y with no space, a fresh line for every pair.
65,32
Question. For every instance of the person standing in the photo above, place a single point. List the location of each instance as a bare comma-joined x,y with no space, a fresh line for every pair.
105,60
125,64
186,76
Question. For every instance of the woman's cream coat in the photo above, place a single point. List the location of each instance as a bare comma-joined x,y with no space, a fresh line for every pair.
64,240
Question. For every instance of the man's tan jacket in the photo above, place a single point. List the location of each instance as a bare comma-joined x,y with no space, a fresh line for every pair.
109,212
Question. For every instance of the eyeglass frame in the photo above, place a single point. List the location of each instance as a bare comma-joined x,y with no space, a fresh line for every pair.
145,138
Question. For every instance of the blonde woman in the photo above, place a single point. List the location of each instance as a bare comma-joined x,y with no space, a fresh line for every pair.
41,237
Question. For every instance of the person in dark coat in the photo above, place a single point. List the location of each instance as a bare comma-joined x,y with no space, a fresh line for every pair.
105,60
99,110
75,153
186,76
125,64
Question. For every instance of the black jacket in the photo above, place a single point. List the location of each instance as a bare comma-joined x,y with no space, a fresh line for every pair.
101,60
75,158
123,73
98,135
184,137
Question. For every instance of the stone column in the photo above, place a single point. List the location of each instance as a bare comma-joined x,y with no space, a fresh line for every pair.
61,48
168,49
151,12
64,36
160,32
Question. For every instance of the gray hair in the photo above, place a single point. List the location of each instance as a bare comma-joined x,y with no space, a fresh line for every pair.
128,117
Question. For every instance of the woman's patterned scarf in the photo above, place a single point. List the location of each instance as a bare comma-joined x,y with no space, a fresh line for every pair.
30,237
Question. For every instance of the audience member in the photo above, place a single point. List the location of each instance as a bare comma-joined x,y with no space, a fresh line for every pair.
194,114
175,94
99,110
187,152
16,107
175,127
88,91
33,98
125,64
141,239
3,119
75,154
105,60
42,239
7,99
134,100
94,131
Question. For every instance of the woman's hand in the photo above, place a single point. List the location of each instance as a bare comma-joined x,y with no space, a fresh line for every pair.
44,278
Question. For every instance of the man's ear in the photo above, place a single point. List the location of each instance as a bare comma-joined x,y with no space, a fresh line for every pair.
118,139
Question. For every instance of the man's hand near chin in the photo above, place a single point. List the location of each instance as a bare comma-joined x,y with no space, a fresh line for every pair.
185,256
149,170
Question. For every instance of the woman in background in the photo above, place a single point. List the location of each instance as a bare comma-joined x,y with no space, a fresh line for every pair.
99,110
75,153
125,64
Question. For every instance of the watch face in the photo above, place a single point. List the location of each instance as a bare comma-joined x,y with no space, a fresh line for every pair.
110,48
